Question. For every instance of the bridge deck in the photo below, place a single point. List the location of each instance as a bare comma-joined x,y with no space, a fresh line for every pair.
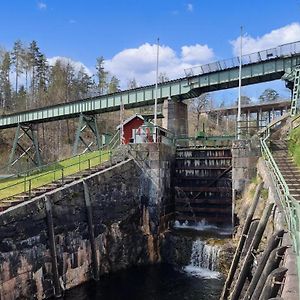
262,66
251,108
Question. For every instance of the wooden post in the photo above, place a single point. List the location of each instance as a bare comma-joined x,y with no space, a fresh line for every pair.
273,263
245,269
249,238
241,243
91,230
52,246
272,244
273,284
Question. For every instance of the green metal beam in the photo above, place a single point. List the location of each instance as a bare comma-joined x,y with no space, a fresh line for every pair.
86,122
296,93
259,67
31,151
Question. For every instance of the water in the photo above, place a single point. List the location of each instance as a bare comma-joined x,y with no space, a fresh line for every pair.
204,260
197,281
156,282
204,227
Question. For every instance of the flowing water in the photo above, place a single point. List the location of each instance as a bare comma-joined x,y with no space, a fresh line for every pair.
197,281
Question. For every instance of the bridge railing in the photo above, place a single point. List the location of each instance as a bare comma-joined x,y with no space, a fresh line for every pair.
291,207
269,54
25,182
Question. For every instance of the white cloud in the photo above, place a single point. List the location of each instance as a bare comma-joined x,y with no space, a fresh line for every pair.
287,34
42,5
77,65
196,53
140,63
190,7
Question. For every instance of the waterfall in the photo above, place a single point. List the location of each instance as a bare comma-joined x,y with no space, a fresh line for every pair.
204,260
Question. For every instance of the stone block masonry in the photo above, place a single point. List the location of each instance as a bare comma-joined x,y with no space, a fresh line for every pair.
126,210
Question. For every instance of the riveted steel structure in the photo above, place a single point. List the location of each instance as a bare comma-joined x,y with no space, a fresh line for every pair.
258,67
29,150
86,122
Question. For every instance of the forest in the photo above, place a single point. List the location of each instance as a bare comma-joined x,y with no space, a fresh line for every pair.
28,81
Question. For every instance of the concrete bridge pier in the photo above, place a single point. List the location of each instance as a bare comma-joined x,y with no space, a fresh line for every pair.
175,117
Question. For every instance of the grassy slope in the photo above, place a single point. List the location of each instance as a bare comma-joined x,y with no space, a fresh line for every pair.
294,145
10,187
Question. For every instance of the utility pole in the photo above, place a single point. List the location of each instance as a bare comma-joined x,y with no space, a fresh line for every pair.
240,86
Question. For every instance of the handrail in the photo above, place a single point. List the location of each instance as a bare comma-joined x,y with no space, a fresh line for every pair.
256,57
295,125
110,145
26,184
291,207
83,161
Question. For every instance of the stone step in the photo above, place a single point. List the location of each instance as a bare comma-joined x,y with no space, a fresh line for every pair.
288,168
13,201
5,204
286,160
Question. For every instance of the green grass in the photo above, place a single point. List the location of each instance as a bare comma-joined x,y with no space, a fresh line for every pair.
265,194
294,145
73,165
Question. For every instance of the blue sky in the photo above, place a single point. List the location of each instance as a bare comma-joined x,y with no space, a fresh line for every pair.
191,32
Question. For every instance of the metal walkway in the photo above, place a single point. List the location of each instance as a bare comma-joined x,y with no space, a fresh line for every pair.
258,67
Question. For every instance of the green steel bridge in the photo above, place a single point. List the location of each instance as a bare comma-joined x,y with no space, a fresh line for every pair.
258,67
263,66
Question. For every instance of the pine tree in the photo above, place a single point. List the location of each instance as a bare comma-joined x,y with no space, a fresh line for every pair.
114,85
102,76
5,87
17,59
83,84
27,67
42,75
33,55
21,98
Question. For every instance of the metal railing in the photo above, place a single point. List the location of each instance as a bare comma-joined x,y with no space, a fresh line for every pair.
280,51
291,207
150,133
224,141
28,181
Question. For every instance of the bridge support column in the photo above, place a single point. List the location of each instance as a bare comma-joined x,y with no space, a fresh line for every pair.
29,151
227,122
86,122
248,121
175,117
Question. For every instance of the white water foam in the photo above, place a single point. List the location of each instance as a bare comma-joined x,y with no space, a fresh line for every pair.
201,272
202,226
203,261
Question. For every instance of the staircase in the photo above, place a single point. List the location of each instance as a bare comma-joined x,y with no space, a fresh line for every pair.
287,167
17,199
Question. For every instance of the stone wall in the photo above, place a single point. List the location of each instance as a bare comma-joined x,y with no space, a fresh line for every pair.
175,117
245,154
128,214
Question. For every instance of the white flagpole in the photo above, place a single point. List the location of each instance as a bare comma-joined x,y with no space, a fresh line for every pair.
156,90
240,85
121,121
